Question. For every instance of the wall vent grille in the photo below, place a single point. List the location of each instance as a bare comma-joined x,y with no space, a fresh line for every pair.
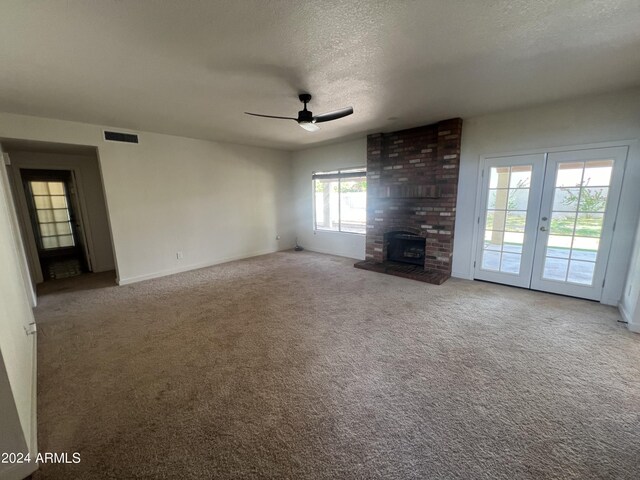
110,136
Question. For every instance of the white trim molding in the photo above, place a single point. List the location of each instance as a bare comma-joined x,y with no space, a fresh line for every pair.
194,266
627,317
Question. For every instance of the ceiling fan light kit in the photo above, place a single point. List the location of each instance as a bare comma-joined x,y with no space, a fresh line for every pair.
309,126
306,119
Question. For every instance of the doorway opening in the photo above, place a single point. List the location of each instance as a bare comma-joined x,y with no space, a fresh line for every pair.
60,208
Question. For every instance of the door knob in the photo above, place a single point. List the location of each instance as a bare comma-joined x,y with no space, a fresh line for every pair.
544,219
543,229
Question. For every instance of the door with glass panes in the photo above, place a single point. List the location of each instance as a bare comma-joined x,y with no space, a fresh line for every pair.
52,202
547,219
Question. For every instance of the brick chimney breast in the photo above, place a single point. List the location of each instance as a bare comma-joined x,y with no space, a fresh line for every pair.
412,184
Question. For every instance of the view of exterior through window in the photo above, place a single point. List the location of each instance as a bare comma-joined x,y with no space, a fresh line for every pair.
579,203
506,218
52,211
340,199
580,194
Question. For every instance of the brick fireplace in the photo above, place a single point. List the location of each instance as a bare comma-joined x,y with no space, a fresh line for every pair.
412,184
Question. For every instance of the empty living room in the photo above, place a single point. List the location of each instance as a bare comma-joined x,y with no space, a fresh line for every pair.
364,239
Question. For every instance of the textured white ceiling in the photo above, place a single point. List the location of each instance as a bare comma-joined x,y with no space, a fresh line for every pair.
192,68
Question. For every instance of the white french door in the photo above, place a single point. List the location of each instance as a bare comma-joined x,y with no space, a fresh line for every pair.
508,223
547,220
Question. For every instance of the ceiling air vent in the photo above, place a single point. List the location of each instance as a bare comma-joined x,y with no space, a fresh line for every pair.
120,137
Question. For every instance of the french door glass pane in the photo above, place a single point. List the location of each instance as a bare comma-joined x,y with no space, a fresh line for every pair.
579,202
47,188
569,174
566,200
52,212
598,173
585,248
57,215
56,228
515,221
559,246
506,218
555,269
562,223
50,201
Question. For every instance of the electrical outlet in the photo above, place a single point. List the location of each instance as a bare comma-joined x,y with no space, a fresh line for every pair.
179,255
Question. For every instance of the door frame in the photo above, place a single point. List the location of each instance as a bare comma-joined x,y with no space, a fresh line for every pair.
634,151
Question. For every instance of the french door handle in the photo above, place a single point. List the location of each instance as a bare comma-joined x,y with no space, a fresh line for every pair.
543,229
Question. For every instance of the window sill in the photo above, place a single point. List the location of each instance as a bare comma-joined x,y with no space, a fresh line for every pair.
320,230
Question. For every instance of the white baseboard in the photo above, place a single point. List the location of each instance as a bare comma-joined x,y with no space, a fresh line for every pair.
614,302
623,311
462,275
626,316
194,266
327,252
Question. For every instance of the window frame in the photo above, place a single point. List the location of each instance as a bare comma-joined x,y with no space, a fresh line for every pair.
337,174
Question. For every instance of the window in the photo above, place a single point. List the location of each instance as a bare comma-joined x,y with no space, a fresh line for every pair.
340,199
52,213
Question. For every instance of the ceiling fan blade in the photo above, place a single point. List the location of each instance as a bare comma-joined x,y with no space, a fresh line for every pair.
271,116
309,126
326,117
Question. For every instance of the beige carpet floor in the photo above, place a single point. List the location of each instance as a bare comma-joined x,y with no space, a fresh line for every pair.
297,365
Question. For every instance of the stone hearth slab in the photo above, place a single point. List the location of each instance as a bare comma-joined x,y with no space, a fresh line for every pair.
414,272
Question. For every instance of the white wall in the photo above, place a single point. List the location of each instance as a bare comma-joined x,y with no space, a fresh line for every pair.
606,118
212,201
17,349
327,158
89,188
630,303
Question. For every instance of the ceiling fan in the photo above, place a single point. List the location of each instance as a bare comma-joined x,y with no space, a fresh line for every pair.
307,119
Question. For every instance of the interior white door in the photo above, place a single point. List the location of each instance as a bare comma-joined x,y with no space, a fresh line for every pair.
577,219
511,193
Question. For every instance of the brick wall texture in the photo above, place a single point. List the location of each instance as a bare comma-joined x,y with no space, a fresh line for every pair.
412,185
